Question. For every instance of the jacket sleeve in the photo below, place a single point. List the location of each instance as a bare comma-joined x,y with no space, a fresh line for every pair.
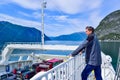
80,48
83,45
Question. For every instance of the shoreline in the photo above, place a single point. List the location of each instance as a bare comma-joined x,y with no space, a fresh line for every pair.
109,40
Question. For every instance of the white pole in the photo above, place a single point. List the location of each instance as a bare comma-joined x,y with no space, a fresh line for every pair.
42,22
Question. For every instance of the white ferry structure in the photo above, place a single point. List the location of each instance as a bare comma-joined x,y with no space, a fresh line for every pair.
70,69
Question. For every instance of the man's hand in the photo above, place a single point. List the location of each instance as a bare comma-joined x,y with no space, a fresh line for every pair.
80,52
70,55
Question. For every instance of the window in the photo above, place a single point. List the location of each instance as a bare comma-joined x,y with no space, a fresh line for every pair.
3,76
9,75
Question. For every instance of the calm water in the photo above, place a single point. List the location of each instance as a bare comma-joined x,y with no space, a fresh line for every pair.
109,48
112,49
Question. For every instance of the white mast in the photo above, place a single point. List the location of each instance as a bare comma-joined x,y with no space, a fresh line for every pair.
42,20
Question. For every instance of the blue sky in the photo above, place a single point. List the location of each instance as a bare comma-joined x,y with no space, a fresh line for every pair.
61,16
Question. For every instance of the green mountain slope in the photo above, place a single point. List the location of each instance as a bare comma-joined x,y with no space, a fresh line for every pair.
109,27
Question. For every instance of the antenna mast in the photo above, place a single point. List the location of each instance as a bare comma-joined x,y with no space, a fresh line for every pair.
43,5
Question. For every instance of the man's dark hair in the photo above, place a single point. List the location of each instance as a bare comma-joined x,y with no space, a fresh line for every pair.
90,28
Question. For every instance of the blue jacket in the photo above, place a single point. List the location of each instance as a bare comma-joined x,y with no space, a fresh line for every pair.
92,49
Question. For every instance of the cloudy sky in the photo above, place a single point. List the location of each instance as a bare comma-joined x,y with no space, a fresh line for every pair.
61,16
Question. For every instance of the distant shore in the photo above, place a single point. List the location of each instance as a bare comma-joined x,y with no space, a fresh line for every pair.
109,40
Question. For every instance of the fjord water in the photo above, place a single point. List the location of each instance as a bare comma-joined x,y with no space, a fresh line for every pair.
111,48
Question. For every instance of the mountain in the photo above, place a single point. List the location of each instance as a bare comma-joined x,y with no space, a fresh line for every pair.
15,33
109,27
78,36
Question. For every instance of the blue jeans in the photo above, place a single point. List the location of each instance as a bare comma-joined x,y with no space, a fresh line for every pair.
88,69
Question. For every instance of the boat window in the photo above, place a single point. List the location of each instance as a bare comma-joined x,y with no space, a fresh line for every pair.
9,75
3,76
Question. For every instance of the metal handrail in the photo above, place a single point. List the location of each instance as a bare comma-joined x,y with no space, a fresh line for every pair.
68,70
64,70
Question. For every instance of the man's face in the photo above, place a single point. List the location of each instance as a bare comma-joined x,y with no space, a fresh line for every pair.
88,32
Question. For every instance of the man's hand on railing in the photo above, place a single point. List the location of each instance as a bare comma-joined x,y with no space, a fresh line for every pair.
70,56
81,53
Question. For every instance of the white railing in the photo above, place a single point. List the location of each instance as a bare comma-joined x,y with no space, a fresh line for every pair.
68,70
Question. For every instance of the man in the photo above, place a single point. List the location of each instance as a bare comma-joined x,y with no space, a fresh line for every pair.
92,56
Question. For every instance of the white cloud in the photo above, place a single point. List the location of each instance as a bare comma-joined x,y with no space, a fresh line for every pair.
4,2
61,18
37,15
73,7
66,6
24,14
76,24
57,29
19,21
95,18
29,4
68,26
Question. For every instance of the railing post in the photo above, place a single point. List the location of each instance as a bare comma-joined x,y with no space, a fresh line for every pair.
74,66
